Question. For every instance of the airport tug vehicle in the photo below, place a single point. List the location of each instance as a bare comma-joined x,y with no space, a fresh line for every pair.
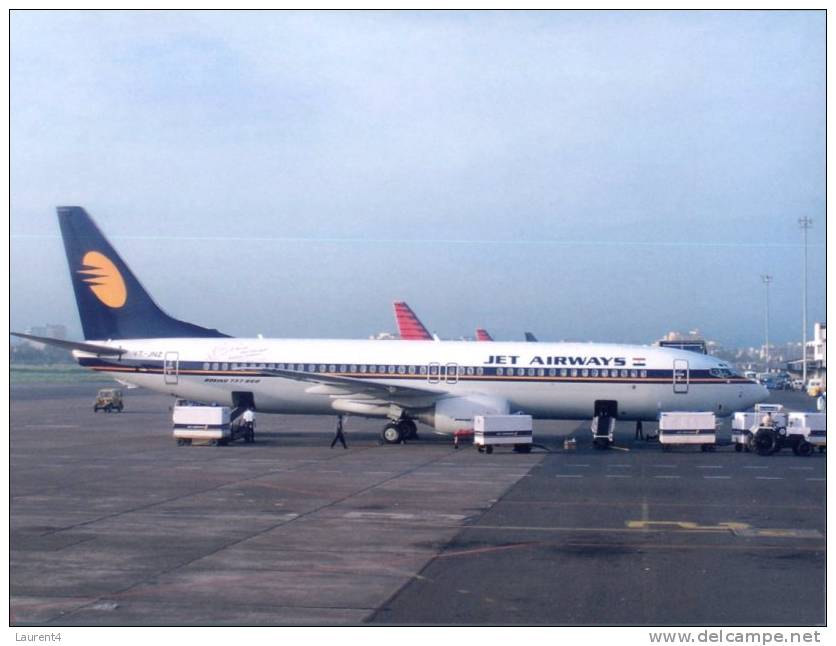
767,430
503,430
688,428
108,400
208,425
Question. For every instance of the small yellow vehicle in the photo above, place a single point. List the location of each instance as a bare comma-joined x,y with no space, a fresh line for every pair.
108,400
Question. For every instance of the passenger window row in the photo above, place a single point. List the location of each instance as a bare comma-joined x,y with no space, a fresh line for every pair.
435,369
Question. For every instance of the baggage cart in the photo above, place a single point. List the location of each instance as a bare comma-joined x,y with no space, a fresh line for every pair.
204,425
503,430
688,428
813,426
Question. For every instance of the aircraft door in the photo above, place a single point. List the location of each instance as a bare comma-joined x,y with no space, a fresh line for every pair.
681,376
171,367
434,373
452,373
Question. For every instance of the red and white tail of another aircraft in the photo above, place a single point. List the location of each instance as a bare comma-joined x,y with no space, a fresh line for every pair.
482,335
410,327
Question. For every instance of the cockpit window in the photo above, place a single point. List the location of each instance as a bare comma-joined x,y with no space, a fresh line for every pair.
723,371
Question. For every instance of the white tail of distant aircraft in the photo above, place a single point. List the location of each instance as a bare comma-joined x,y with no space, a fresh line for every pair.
442,384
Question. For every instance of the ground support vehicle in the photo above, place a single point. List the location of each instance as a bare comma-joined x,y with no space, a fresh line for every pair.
683,428
210,425
750,433
603,429
503,430
109,400
748,422
815,387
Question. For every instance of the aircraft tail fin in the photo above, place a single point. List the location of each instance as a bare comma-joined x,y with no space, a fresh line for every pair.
112,304
483,335
409,326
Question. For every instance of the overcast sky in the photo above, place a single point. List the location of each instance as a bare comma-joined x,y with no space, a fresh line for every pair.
606,176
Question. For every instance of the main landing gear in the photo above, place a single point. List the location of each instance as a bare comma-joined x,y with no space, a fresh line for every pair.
397,432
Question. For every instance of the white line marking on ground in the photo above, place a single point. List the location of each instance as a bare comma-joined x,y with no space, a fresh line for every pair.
751,467
710,466
802,468
768,478
571,475
716,477
577,465
816,479
618,475
620,466
668,477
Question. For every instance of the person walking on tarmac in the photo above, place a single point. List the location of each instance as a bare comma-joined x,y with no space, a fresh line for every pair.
339,437
249,424
639,430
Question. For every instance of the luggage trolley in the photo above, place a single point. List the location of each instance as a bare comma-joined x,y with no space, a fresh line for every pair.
210,425
688,428
503,430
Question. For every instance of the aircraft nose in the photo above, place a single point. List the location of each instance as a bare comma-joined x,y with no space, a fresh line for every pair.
758,393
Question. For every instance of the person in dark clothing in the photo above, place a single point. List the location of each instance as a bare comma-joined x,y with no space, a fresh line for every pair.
639,430
339,437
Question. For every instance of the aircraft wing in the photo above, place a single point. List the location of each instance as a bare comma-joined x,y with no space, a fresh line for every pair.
354,388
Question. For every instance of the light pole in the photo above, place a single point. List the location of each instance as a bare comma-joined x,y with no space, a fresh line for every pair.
766,278
805,223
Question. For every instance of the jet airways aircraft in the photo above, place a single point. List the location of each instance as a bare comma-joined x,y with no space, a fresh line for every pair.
442,384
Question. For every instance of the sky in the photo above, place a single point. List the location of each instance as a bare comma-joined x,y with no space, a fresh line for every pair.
591,176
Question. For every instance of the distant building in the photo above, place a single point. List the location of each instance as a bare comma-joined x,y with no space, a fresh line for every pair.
819,343
816,356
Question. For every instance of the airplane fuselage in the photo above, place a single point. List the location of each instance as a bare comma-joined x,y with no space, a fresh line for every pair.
546,380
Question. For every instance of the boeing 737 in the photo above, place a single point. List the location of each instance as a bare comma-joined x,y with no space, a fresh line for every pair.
442,384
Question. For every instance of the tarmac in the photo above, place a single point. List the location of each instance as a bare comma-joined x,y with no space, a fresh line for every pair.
113,524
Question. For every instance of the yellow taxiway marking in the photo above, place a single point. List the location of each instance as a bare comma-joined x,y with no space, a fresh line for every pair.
684,524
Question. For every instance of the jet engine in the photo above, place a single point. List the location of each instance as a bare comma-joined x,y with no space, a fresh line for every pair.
456,413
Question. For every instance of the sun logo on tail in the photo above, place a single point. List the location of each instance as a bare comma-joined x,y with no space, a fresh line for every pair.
104,279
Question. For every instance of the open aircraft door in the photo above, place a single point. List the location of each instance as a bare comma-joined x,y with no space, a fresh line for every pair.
681,376
171,367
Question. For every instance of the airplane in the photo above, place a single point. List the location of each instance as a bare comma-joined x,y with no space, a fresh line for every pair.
410,327
442,384
483,335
